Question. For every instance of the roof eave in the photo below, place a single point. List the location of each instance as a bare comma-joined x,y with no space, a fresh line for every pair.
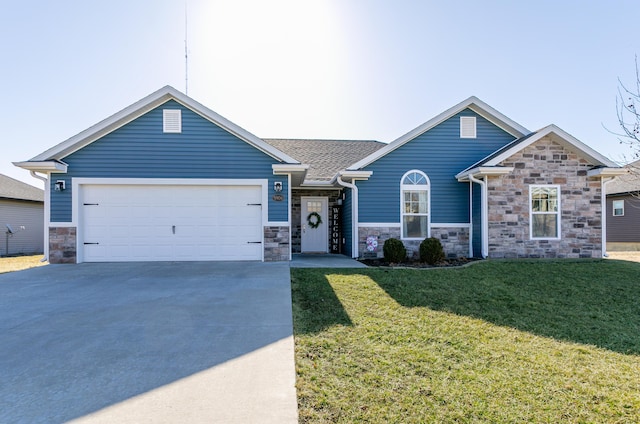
44,166
607,172
482,171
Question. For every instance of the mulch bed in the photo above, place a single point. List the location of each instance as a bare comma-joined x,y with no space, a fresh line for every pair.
414,263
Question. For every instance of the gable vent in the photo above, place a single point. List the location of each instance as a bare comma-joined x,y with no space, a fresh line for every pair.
467,127
172,120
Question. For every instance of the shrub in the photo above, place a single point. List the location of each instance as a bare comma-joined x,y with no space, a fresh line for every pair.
394,250
431,251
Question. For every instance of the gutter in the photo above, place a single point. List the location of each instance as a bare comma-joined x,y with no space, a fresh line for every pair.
483,215
47,203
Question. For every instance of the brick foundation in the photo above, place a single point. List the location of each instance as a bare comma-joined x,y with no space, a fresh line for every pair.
62,245
276,244
455,241
545,162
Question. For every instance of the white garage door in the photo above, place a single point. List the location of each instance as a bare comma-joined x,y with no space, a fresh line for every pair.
170,223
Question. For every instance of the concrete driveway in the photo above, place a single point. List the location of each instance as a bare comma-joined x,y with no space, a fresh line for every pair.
147,342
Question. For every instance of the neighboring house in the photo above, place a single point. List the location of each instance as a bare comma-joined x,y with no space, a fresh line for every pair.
169,179
623,210
21,216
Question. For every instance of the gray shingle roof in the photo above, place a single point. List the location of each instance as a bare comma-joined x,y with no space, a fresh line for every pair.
14,189
326,157
628,183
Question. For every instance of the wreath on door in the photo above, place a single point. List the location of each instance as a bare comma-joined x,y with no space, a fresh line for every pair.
314,220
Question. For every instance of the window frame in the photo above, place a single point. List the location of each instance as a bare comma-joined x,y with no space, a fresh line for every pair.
558,213
415,187
613,207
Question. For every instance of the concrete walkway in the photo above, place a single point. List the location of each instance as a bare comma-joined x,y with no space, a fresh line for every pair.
192,342
302,260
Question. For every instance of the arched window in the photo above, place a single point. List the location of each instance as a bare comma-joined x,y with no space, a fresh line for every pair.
415,205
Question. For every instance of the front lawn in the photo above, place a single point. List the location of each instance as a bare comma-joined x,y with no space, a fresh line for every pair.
19,263
500,342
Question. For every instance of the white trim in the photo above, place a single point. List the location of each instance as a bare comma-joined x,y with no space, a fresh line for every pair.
289,203
558,213
408,187
145,105
450,225
482,171
47,192
470,218
607,172
62,224
603,214
473,103
379,224
42,166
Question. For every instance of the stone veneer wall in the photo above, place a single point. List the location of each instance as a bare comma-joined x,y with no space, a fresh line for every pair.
296,210
455,241
545,162
62,245
276,244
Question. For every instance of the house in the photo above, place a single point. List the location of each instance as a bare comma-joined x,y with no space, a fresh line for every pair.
21,217
623,210
169,179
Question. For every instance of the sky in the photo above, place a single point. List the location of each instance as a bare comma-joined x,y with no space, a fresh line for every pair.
334,69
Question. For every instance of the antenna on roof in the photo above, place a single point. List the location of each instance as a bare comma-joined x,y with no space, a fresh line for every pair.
186,53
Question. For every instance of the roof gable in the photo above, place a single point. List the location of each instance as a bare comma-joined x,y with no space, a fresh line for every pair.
557,134
14,189
472,103
627,183
158,98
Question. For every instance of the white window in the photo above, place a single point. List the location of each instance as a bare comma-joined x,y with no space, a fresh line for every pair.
618,208
414,204
545,211
172,120
467,127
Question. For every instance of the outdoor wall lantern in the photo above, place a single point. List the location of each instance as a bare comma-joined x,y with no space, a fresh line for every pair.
60,185
277,186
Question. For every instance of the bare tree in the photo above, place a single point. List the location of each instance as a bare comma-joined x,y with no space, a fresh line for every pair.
628,111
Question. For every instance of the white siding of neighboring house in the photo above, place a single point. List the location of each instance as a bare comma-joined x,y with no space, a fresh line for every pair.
27,221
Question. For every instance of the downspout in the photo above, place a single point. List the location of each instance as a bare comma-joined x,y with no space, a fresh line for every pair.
483,215
354,215
603,201
47,201
471,218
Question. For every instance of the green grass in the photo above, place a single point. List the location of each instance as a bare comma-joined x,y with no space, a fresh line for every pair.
503,342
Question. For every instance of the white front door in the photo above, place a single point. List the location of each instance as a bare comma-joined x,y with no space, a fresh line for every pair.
314,239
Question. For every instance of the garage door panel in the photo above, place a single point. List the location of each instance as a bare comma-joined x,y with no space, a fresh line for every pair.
150,223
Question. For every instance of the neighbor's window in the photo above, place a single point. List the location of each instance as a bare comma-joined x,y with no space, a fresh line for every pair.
414,192
545,212
618,208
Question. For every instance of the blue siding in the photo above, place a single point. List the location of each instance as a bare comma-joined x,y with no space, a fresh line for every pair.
476,241
347,222
441,154
141,150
